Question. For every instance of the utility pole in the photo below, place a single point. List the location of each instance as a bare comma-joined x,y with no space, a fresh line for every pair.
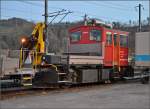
46,25
140,6
46,15
149,14
0,10
140,17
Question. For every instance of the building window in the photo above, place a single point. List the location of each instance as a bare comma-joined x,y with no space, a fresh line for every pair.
115,40
108,38
123,41
95,35
75,36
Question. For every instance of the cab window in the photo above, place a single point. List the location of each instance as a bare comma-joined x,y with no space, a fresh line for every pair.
75,36
95,35
115,40
108,38
123,41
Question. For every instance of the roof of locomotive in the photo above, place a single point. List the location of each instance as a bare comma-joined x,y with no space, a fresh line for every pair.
102,27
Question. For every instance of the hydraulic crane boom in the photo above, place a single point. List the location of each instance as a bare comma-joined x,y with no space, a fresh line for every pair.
33,47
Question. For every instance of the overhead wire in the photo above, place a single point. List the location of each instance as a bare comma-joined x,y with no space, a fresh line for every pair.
116,3
27,2
40,5
100,4
119,7
79,13
28,11
112,7
16,10
74,11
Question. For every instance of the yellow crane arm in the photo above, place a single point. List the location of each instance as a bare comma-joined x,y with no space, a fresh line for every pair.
38,34
33,46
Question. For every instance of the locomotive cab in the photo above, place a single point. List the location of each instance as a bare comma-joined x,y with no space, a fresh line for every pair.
86,40
86,45
108,45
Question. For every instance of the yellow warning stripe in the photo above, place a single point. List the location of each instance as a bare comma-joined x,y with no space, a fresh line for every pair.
27,84
26,78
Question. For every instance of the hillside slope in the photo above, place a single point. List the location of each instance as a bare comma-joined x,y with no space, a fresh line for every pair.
12,29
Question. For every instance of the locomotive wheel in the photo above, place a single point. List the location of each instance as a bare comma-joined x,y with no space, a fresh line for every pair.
72,76
145,80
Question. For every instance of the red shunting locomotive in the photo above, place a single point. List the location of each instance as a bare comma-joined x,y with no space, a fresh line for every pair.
96,44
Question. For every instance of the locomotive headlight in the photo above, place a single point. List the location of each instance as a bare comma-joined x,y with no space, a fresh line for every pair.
23,40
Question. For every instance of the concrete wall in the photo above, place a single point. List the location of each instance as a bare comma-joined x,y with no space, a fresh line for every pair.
142,43
9,61
10,64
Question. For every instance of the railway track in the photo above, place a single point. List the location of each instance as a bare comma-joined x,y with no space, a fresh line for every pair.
21,92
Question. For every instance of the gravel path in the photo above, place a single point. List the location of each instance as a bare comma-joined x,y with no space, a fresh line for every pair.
118,96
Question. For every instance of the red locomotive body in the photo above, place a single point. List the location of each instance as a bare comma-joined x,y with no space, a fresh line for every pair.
111,46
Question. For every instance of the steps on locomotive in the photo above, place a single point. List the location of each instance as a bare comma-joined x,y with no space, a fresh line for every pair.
26,76
27,80
61,73
62,81
16,80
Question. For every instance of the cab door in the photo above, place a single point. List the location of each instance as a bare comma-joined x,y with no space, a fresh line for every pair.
116,49
108,60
